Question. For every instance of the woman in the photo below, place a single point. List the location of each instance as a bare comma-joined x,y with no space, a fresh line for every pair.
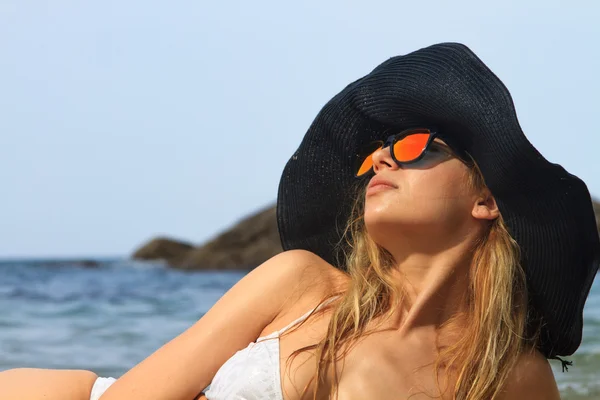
465,262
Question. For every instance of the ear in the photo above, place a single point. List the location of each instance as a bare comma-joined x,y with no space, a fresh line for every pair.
485,207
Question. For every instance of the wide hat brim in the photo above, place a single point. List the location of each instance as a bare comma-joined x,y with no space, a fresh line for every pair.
548,211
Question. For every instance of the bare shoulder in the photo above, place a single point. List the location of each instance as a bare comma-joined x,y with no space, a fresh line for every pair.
290,276
531,379
305,275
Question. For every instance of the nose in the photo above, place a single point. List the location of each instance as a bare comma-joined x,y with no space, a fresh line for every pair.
382,159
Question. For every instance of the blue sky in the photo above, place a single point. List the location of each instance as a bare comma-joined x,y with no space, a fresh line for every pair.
120,120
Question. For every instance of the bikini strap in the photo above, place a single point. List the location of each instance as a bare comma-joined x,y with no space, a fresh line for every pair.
297,320
302,318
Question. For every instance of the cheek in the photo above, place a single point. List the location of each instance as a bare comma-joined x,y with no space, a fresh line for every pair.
445,197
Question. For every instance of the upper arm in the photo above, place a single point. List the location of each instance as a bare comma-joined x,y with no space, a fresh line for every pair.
531,379
186,365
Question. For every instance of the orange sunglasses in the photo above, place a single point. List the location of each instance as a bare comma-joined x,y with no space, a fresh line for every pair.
406,147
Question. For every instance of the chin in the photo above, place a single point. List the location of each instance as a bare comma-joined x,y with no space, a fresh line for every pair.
382,214
382,224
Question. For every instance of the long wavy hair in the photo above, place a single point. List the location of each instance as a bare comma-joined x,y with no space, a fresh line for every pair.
494,329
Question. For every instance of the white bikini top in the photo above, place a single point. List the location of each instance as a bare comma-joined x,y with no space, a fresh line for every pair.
253,373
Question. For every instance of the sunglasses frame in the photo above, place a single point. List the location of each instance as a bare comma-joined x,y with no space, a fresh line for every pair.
391,141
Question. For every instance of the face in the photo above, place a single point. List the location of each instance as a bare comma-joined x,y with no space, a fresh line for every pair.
419,201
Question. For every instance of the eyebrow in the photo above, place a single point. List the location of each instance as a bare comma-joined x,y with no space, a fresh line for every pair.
445,147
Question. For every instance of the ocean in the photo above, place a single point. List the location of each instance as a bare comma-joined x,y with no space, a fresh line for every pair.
108,315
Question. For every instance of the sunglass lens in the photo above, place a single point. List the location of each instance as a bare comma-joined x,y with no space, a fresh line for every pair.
364,160
410,147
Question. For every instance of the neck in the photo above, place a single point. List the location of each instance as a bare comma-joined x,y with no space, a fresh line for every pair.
435,286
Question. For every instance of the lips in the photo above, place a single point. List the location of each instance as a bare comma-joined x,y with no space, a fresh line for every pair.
378,184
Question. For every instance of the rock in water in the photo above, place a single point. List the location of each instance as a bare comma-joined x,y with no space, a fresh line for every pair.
169,250
246,245
597,211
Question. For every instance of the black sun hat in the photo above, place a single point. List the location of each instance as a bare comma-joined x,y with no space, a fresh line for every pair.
548,211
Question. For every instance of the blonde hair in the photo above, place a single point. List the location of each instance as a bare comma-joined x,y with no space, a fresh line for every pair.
493,337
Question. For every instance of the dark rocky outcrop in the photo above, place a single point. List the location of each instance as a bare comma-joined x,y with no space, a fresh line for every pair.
165,249
246,245
83,263
597,211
